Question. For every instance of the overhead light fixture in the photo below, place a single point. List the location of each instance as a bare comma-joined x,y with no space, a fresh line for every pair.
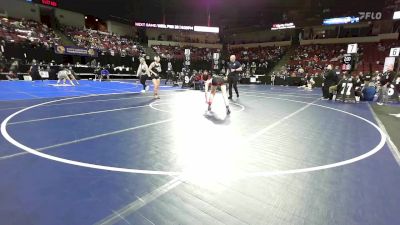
396,15
341,20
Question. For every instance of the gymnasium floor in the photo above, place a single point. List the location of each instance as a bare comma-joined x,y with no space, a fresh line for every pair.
101,153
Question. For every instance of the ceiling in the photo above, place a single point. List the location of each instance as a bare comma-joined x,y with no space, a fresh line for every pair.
223,12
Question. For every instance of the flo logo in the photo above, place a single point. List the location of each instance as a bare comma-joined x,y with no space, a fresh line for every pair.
370,15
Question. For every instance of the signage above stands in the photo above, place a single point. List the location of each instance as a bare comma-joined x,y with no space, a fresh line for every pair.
370,15
179,27
341,20
394,52
52,3
283,26
352,48
71,50
206,29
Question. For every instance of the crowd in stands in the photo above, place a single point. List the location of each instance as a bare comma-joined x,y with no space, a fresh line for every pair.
103,41
304,61
255,60
27,31
373,54
184,36
313,59
178,53
258,54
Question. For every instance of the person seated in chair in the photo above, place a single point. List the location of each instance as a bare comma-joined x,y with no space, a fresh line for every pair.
369,92
335,88
357,84
13,71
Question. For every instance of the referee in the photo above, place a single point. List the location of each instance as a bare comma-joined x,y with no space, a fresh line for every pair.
234,68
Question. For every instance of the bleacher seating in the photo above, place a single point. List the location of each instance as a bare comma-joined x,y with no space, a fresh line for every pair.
258,53
103,41
374,54
314,58
27,31
177,53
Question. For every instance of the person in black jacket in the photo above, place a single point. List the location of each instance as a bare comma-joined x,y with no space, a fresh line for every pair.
234,67
357,81
34,71
330,80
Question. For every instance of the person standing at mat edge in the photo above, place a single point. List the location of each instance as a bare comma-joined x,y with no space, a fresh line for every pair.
330,80
155,70
234,67
143,73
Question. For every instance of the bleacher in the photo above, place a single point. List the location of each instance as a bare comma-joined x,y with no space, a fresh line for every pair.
177,53
258,53
27,31
314,58
374,54
103,41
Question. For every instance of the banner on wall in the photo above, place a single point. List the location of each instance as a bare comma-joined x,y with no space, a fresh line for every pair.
179,27
283,26
389,64
69,50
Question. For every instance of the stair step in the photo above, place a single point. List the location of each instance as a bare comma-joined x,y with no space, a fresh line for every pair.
284,60
65,40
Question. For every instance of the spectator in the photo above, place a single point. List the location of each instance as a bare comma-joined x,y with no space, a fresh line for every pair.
103,41
253,68
369,92
13,71
34,71
104,73
27,31
384,82
330,80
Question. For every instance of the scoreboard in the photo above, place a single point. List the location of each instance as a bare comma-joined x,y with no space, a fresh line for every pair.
350,59
347,62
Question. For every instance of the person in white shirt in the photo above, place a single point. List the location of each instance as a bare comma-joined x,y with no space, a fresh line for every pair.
143,74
